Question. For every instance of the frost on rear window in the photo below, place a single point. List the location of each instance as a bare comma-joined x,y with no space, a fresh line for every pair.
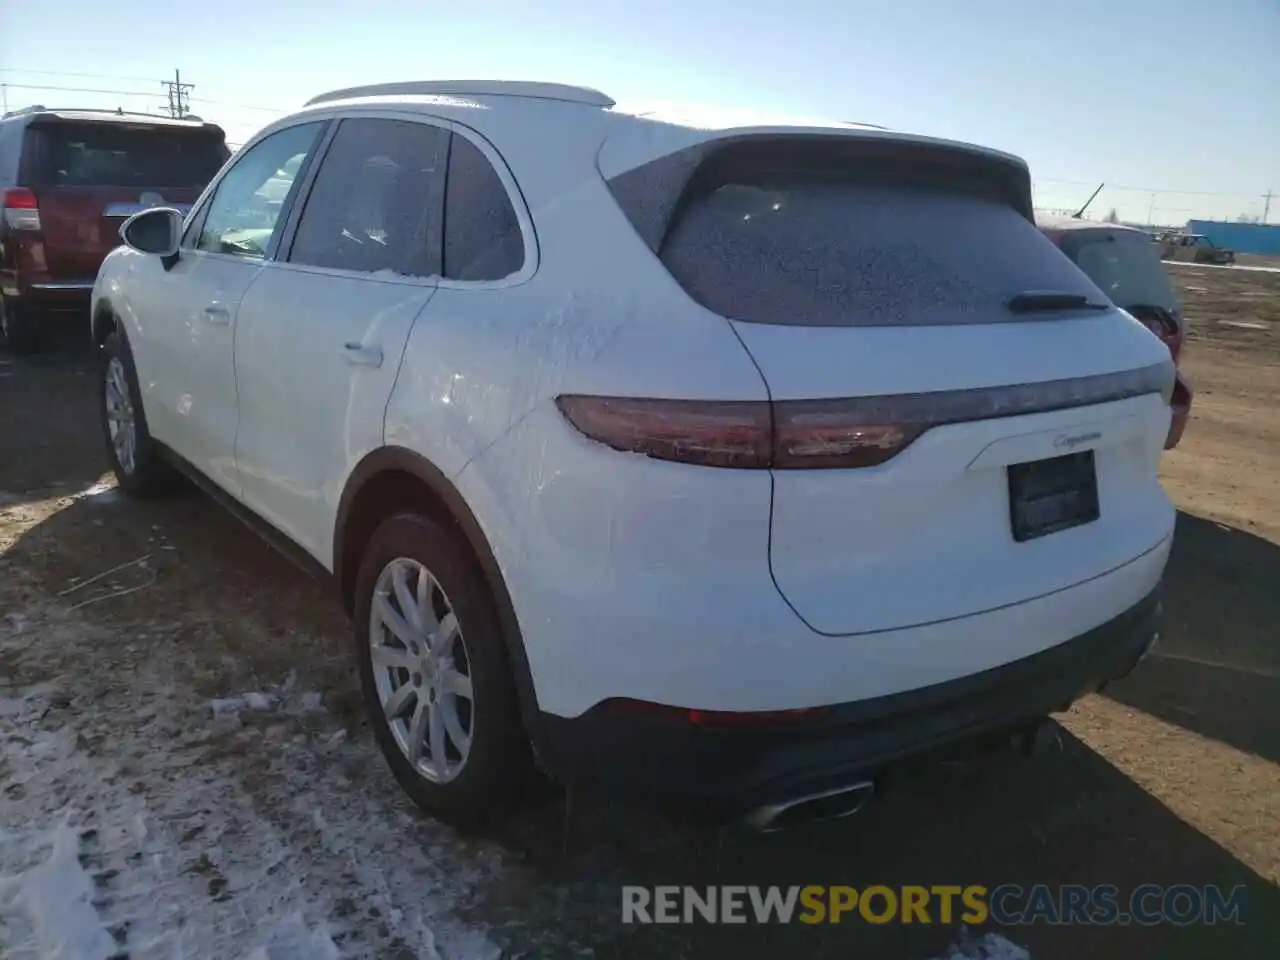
851,254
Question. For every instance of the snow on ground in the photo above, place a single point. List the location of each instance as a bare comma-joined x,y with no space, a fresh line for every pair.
139,839
143,819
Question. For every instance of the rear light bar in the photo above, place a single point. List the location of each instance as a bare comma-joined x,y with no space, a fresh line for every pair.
21,210
848,432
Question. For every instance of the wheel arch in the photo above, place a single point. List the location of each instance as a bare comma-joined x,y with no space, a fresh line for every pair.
393,479
105,320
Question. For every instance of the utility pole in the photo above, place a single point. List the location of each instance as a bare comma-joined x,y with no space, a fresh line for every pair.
1266,205
177,94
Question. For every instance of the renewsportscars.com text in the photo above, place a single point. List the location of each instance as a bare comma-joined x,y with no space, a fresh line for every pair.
1008,904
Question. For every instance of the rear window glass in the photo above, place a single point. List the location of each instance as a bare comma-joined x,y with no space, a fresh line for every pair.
861,254
1126,266
116,155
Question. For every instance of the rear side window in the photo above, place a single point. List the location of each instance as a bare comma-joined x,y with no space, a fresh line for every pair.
126,155
835,251
376,200
1124,264
482,239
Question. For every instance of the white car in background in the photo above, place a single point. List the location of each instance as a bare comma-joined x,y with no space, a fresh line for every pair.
717,464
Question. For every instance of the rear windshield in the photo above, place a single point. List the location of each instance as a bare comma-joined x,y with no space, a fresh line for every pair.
861,254
1124,265
119,155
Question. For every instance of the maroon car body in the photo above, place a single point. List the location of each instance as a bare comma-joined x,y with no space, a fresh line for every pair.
68,180
1125,264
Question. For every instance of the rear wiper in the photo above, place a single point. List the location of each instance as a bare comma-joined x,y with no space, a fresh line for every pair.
1043,301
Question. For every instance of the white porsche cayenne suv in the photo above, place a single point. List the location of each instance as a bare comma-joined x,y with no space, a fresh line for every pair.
718,462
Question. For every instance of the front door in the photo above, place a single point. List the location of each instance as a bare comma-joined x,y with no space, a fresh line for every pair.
321,331
187,329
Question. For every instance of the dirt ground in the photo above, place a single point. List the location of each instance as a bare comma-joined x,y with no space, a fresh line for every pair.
1171,777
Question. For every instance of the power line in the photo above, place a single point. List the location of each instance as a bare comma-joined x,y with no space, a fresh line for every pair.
240,106
1121,186
60,89
88,76
137,93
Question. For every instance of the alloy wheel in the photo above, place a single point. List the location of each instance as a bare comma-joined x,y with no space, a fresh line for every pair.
421,670
119,412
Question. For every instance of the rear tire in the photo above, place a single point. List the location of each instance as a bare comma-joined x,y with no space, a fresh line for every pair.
134,457
447,686
19,329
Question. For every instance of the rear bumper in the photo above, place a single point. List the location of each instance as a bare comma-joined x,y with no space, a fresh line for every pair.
660,758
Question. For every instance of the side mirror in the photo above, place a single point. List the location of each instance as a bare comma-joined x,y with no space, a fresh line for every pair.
156,231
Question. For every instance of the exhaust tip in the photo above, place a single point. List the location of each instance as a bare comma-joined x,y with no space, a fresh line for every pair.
812,808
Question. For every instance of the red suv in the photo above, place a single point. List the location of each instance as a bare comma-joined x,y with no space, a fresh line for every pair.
1125,263
68,180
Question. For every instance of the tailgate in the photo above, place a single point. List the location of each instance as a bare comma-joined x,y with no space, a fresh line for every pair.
81,225
922,342
929,534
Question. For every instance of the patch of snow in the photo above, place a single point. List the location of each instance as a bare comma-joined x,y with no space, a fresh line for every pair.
293,939
990,946
104,491
57,898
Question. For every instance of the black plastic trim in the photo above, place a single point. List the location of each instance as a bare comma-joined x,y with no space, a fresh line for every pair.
659,759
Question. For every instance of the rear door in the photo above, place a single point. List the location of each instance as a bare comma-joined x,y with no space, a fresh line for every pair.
921,340
89,176
322,329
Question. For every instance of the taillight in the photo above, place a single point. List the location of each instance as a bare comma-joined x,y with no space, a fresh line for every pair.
789,435
834,433
711,433
21,210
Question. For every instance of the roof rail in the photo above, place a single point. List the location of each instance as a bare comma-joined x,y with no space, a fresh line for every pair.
23,111
105,111
475,88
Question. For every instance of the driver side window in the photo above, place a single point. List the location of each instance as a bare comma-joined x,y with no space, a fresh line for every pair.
245,210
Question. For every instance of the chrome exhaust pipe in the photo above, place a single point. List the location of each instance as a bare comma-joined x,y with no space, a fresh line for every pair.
814,807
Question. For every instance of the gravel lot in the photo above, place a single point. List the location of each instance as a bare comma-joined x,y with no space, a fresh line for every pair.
184,770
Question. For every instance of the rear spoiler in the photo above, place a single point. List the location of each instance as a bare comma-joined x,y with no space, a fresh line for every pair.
653,189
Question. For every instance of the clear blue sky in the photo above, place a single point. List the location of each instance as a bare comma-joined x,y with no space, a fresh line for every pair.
1171,95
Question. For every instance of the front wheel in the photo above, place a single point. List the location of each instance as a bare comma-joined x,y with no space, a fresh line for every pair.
437,686
133,455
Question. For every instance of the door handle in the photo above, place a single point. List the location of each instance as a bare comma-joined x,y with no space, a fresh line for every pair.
359,355
218,315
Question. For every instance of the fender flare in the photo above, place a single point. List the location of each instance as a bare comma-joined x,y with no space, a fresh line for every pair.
402,460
